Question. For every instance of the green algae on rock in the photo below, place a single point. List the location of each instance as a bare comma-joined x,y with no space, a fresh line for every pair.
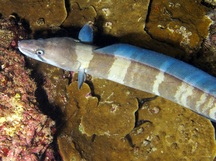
167,131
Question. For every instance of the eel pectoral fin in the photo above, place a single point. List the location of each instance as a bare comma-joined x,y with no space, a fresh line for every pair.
81,77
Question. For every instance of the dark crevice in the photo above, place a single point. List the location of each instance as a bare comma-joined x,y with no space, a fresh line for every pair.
52,111
67,6
144,100
208,5
130,141
141,102
148,13
46,108
91,85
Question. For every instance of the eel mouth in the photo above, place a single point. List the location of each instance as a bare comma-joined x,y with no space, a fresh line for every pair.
25,48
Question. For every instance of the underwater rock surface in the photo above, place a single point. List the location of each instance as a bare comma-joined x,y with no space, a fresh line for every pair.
207,56
111,20
183,24
39,14
109,126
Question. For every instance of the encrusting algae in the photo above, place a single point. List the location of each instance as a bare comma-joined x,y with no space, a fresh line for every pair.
25,132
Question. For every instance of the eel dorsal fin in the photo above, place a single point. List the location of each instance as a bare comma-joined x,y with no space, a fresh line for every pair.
86,33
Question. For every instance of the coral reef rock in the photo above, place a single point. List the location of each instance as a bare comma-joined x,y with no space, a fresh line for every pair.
183,24
207,55
25,133
52,13
110,126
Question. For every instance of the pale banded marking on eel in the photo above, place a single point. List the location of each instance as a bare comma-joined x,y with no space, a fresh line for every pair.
131,66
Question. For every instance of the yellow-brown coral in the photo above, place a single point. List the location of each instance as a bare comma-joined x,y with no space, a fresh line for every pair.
163,131
180,23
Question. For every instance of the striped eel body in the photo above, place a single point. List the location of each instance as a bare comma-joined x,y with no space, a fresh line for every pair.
132,66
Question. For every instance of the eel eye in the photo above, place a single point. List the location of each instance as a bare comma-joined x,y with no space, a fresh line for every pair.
39,52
